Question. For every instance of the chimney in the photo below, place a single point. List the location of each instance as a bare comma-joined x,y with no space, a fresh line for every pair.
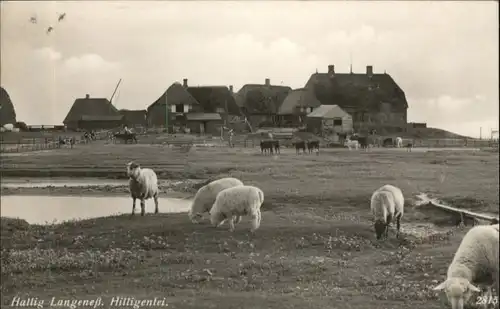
185,82
87,96
331,69
268,82
369,70
231,88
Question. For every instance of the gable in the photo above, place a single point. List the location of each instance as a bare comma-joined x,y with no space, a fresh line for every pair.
212,97
262,99
298,98
175,94
90,107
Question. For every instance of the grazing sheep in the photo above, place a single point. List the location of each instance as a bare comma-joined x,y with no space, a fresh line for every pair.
205,197
387,203
143,185
476,261
399,142
235,202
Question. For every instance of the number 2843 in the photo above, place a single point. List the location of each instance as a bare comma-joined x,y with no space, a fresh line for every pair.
487,300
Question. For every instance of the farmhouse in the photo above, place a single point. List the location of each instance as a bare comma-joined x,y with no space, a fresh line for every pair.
217,107
373,100
7,111
260,103
329,120
92,114
179,101
297,104
134,118
201,110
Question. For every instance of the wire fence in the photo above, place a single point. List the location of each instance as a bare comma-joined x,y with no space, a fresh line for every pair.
29,142
186,141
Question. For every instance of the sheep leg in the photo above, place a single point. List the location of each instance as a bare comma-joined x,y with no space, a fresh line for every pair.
398,225
255,221
237,219
155,198
133,205
231,224
143,207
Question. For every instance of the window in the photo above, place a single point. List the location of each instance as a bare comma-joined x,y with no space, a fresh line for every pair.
337,122
220,110
179,108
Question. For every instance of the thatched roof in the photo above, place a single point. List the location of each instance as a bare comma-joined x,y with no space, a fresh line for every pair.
360,90
261,99
7,111
213,97
297,98
328,111
175,94
134,117
92,108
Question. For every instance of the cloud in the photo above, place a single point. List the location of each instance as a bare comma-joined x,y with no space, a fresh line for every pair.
444,55
47,53
88,63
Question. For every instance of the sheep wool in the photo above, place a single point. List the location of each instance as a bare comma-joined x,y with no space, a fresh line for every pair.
233,203
205,197
476,261
387,203
143,185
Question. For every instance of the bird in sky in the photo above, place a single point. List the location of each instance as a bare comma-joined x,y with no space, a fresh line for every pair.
61,16
49,30
33,20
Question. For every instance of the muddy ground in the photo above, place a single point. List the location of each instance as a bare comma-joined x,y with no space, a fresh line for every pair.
315,248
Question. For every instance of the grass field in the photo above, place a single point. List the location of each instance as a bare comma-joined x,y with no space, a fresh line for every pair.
315,248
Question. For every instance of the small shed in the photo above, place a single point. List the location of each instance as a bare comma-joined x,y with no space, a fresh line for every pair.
204,123
329,120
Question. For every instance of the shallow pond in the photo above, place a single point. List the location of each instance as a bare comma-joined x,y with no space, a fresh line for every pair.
47,209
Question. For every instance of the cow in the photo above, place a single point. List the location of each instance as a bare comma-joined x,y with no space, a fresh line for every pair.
311,145
300,145
266,146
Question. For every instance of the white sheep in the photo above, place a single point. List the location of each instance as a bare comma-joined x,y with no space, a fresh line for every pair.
143,185
205,197
235,202
476,261
387,203
351,144
399,142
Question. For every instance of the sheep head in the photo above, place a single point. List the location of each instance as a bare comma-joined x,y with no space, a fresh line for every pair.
133,170
380,228
458,291
217,218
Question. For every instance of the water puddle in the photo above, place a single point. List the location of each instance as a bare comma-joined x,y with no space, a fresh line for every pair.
47,209
65,182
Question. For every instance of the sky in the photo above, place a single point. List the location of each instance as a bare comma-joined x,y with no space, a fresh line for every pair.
444,55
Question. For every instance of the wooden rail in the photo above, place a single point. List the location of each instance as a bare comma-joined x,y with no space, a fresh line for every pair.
463,216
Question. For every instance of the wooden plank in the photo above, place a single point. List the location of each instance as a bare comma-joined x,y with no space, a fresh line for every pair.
464,213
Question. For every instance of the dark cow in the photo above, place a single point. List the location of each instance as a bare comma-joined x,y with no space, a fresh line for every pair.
311,145
409,146
300,145
125,137
276,145
266,146
362,140
388,142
